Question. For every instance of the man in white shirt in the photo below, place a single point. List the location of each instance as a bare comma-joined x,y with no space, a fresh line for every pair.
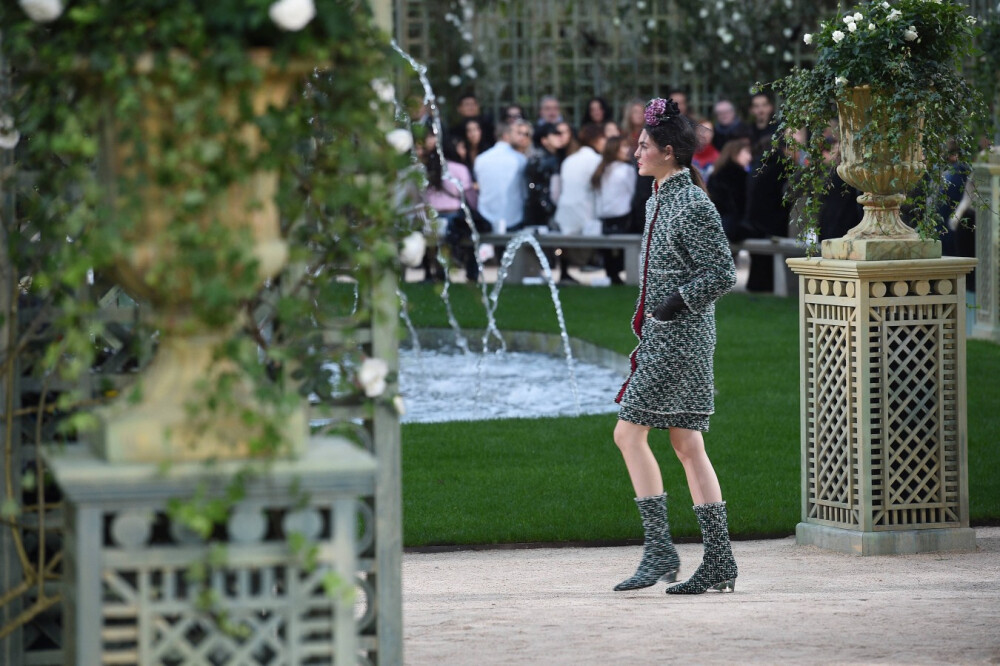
500,175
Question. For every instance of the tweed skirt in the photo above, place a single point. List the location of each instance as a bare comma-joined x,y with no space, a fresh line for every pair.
664,421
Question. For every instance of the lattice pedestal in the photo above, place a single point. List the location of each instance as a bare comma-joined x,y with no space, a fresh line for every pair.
128,596
884,435
987,322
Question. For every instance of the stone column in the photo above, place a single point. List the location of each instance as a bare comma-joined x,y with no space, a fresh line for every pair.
987,321
883,405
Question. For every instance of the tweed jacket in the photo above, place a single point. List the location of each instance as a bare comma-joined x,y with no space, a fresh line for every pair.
683,250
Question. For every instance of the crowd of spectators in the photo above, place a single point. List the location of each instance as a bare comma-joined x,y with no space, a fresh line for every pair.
544,173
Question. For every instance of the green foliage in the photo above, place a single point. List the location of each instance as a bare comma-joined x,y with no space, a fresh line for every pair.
911,53
137,123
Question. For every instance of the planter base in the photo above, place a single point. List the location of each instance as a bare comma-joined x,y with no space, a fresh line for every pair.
896,542
880,249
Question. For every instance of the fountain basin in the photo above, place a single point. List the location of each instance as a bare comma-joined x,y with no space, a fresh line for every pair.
530,380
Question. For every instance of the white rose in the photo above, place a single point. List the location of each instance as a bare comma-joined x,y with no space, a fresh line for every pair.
292,15
838,36
807,38
894,14
871,26
885,5
971,20
851,27
651,24
770,48
400,405
840,80
384,90
858,16
400,139
371,376
466,61
910,34
737,16
848,19
471,73
724,64
455,80
413,250
42,11
9,136
702,13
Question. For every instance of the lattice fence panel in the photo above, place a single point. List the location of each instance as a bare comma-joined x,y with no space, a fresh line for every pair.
918,465
831,424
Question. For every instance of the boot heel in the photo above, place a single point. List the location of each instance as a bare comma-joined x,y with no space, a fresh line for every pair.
669,577
726,586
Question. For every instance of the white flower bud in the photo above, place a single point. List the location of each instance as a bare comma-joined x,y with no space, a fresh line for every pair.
455,80
840,80
9,136
292,15
807,38
910,34
384,90
414,247
371,376
400,139
42,11
466,60
871,26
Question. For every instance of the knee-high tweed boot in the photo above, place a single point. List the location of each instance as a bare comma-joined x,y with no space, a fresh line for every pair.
659,557
717,570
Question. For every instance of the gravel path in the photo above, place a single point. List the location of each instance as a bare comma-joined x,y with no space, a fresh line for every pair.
792,604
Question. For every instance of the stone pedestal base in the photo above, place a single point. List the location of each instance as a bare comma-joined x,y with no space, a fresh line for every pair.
897,542
128,595
880,249
883,396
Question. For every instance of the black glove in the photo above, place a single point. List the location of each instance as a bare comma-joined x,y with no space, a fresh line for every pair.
670,308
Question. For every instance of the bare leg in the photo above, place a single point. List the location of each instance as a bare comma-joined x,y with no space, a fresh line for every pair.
689,445
639,460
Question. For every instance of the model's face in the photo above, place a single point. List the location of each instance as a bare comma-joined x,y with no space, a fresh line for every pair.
596,112
651,159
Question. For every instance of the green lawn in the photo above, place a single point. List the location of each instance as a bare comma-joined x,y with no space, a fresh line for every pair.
562,479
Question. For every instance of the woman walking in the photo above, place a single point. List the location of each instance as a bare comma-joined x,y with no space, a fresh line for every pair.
685,267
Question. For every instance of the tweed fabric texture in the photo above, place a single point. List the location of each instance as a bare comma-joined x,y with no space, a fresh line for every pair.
683,250
718,566
659,557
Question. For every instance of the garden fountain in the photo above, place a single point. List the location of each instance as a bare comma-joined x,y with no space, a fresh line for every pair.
517,363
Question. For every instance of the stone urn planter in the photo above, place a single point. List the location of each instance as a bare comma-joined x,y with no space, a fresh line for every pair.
885,172
163,423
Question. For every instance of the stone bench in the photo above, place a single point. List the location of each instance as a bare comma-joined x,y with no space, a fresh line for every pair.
785,282
525,261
